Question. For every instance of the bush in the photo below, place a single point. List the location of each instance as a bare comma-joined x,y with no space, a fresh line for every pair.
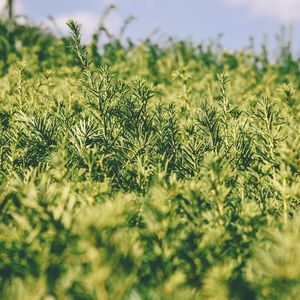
115,188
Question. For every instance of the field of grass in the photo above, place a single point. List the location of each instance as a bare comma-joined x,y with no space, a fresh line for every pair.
147,171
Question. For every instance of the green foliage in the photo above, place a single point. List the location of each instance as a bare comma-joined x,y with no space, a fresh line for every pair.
137,171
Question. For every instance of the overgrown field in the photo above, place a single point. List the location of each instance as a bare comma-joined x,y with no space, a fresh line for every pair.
147,171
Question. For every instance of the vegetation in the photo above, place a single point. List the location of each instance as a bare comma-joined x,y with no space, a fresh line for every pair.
147,171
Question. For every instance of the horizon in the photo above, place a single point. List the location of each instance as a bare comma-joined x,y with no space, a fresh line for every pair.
236,20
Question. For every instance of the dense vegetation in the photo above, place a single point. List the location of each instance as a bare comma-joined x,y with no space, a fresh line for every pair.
147,170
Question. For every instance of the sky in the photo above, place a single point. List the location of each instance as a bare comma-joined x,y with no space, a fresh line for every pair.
237,20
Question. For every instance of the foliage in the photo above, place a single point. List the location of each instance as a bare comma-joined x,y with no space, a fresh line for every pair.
112,187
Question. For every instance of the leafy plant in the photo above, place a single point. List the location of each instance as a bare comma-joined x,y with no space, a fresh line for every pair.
142,171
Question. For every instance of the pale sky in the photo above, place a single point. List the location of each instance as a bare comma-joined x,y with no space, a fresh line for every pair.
196,19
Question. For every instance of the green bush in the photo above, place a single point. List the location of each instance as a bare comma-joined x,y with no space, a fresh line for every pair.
158,177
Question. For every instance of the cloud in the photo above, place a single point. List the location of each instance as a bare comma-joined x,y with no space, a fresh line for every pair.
18,7
89,22
283,10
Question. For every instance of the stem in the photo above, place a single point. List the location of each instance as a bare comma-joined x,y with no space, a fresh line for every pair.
285,205
10,9
10,21
285,211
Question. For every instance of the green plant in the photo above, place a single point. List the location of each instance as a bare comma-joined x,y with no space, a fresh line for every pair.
146,172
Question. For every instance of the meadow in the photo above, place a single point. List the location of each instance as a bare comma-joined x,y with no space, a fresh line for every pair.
147,170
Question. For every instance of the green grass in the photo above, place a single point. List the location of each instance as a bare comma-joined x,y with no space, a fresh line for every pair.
144,171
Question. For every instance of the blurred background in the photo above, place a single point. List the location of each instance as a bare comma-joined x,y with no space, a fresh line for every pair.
234,22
